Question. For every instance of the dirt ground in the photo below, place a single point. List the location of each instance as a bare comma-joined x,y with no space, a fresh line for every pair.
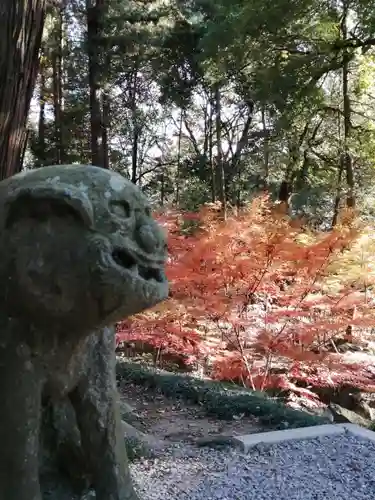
177,421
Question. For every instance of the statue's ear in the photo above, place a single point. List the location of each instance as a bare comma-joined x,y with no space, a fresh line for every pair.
43,200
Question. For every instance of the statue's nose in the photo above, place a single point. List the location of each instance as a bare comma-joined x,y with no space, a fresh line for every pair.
150,238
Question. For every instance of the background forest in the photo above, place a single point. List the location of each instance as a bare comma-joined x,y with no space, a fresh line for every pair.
203,101
208,105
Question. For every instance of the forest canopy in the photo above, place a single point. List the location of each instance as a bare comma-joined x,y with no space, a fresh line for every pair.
214,100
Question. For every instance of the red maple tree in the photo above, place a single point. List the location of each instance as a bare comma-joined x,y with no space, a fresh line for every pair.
252,299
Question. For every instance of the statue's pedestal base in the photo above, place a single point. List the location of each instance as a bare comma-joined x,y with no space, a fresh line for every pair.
57,489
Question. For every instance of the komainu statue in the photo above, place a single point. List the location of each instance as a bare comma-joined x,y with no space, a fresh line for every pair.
79,251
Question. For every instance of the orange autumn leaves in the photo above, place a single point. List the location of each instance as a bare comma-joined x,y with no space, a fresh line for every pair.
253,294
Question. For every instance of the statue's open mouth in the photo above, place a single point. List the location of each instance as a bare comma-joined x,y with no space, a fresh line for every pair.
126,260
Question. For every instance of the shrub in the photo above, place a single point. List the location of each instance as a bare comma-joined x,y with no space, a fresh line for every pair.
259,299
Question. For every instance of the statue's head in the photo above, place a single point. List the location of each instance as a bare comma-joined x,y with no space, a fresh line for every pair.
79,247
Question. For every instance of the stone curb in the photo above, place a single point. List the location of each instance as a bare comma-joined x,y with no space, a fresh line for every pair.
246,442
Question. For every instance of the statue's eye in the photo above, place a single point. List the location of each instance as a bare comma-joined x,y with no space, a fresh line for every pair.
121,209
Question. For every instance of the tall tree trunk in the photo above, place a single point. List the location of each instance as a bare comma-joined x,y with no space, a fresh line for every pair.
105,125
286,186
162,189
21,27
350,198
266,150
347,160
135,154
210,150
135,123
219,154
233,176
177,197
57,85
94,13
41,157
336,205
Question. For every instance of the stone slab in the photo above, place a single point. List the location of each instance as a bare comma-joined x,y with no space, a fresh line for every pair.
359,431
248,441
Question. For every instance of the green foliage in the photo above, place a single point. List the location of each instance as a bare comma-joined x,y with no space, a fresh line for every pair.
178,65
195,194
280,86
224,401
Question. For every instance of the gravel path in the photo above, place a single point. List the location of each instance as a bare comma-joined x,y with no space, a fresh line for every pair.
329,468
